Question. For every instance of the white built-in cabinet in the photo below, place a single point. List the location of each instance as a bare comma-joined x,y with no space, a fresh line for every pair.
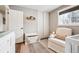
43,24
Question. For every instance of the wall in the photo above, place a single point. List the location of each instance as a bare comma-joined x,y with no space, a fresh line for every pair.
29,26
54,21
36,26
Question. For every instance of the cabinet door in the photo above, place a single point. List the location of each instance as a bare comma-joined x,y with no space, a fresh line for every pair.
16,24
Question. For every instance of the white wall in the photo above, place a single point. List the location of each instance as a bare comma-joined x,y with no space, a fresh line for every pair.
40,25
30,26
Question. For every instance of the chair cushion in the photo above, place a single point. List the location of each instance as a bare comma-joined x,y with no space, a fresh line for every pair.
61,37
64,31
61,33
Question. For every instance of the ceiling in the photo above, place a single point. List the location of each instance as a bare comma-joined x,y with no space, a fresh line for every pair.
46,8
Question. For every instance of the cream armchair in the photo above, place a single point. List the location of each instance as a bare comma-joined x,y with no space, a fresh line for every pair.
56,41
